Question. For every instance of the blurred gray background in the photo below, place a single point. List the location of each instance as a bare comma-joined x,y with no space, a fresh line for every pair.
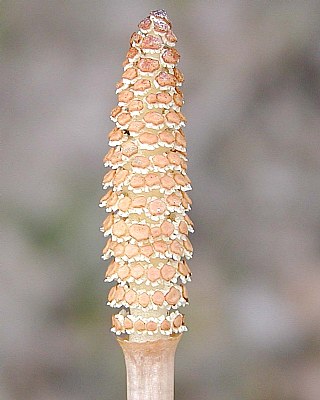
252,86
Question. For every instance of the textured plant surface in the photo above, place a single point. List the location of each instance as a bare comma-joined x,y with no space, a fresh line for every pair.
147,200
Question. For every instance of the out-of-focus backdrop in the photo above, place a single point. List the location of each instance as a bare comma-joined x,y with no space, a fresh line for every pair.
252,94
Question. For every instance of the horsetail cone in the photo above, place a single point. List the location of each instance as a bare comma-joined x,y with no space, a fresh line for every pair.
147,199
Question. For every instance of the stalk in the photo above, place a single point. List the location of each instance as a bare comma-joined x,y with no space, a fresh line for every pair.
150,368
147,205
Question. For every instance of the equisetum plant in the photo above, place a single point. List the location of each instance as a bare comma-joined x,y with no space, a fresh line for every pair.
147,204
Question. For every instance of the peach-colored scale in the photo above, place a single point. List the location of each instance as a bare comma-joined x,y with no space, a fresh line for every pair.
187,198
123,118
106,247
140,162
125,64
171,56
183,228
174,200
167,228
119,250
153,274
151,42
139,325
124,204
132,53
155,232
104,198
165,325
119,295
137,271
117,110
158,298
152,179
123,272
131,296
129,149
151,326
174,158
167,137
160,246
135,105
115,135
188,220
178,321
116,158
148,138
184,203
178,99
135,126
112,157
171,37
161,26
125,96
151,98
168,272
173,117
184,292
110,198
160,160
180,179
154,118
143,299
139,201
120,228
147,251
178,75
130,73
166,79
184,269
135,38
137,181
157,207
109,177
167,182
120,176
142,85
172,296
108,156
112,293
176,248
119,85
116,323
164,98
127,324
139,231
112,269
131,250
188,245
148,65
145,24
